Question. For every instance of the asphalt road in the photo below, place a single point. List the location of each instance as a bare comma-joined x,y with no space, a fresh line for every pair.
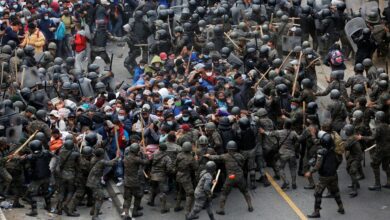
268,203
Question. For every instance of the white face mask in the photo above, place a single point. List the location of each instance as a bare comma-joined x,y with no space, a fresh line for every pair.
15,6
52,121
209,73
43,6
142,67
121,117
170,123
108,113
46,17
138,103
23,20
186,118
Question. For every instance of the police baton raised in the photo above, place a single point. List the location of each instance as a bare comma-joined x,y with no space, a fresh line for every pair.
216,181
23,145
370,148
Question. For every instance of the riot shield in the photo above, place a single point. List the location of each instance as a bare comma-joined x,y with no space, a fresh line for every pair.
353,28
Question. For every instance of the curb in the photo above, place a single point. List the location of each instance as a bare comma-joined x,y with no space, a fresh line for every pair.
115,194
2,216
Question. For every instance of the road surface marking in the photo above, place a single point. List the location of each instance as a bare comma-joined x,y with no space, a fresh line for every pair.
286,197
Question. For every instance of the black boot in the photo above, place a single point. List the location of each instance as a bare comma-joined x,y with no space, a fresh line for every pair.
315,214
377,185
33,211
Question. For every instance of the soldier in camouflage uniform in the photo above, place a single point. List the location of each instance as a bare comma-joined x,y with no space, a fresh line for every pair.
5,176
234,163
326,165
132,164
84,166
354,157
215,139
40,176
201,150
98,164
203,192
381,154
288,150
161,167
67,168
185,165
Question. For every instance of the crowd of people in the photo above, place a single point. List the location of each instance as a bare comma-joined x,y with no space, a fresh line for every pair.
219,91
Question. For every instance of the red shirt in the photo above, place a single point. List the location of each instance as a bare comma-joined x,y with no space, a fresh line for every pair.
80,43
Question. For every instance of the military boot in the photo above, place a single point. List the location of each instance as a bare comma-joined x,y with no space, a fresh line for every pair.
70,212
221,210
16,204
96,211
58,210
189,203
48,204
311,183
163,200
33,211
340,204
151,199
249,202
387,185
315,214
211,216
265,181
137,208
354,192
377,185
178,206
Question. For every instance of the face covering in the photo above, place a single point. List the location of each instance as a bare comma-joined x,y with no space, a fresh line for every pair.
43,6
108,113
46,17
186,118
52,121
142,67
15,6
121,117
170,123
293,107
209,73
163,138
138,103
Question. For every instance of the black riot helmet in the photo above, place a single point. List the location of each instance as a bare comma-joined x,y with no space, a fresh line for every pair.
35,146
91,139
335,94
311,107
244,123
349,130
231,145
69,145
259,101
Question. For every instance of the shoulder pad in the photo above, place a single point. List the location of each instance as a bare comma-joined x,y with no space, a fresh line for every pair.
322,151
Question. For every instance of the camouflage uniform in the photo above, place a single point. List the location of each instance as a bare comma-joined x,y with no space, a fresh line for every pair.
235,178
84,166
202,194
289,148
39,125
161,166
68,163
186,166
132,165
94,181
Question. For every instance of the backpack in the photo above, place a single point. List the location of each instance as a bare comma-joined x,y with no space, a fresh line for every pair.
336,58
339,143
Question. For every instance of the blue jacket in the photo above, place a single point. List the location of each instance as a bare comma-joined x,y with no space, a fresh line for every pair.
44,26
60,32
